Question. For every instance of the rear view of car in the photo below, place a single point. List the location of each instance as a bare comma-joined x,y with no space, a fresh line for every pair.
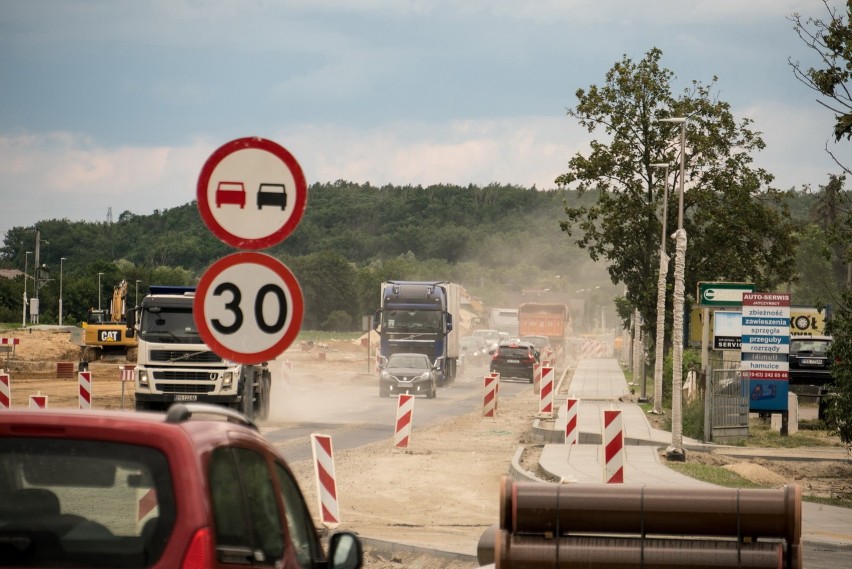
809,361
515,360
196,488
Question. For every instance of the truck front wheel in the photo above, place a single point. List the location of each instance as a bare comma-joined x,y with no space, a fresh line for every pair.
261,406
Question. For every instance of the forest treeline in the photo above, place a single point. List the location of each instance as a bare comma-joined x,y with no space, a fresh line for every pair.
501,242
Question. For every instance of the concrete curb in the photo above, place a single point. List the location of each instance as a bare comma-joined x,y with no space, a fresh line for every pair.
390,547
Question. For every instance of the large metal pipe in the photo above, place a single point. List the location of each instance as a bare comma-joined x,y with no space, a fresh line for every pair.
554,509
538,552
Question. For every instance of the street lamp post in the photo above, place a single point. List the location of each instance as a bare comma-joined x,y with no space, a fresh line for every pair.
26,276
136,293
99,291
676,451
661,301
61,262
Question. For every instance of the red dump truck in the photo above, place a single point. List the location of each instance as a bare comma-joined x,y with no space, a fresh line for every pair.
550,320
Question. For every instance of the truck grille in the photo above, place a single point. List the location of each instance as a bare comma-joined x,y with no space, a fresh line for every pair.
184,356
184,388
177,375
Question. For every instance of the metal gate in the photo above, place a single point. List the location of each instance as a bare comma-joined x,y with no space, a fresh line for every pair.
728,405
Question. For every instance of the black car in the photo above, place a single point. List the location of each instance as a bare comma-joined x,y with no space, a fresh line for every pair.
413,374
809,361
515,360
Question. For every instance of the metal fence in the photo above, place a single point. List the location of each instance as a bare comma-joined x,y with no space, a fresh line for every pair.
727,404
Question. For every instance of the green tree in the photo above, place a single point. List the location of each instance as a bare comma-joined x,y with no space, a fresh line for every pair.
814,285
327,281
738,228
831,40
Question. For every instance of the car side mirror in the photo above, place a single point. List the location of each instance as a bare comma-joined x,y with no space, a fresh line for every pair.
345,551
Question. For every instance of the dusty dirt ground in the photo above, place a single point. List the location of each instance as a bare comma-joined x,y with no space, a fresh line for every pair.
441,493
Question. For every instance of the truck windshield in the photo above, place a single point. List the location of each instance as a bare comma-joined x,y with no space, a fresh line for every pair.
412,321
169,325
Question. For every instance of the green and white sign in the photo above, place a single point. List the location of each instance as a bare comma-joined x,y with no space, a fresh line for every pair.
722,294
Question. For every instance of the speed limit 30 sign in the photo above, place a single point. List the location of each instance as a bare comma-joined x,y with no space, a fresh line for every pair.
248,307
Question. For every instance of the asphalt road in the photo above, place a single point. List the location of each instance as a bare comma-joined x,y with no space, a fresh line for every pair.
347,406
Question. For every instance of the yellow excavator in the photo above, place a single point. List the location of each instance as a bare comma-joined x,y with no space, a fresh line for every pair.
105,334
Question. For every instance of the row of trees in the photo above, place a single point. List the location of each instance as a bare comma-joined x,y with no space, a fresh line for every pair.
506,240
498,241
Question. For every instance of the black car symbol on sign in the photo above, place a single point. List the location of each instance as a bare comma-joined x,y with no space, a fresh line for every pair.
272,194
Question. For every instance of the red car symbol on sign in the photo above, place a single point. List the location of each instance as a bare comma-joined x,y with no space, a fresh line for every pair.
231,193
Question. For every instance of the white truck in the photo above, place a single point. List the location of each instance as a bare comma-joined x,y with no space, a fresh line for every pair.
174,364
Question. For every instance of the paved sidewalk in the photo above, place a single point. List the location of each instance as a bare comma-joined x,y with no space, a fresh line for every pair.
600,384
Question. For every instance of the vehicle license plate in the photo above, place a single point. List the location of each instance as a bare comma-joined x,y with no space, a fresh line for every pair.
513,361
181,397
810,362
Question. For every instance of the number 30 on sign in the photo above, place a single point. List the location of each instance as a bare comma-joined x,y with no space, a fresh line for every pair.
248,307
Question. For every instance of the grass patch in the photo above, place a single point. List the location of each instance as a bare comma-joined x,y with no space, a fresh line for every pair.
761,435
714,475
319,336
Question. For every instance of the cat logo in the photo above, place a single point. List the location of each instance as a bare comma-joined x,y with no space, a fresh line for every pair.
108,336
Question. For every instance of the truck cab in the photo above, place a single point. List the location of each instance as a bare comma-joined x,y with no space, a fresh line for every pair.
175,365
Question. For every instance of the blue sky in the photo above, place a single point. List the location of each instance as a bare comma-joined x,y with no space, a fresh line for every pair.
118,103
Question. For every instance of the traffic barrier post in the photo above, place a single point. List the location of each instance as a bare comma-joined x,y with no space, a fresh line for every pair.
329,506
84,379
489,399
5,391
613,443
537,378
7,345
572,408
38,401
147,507
546,395
404,416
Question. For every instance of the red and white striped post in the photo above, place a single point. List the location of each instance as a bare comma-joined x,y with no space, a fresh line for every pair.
537,378
84,378
147,506
404,415
489,399
545,406
5,391
613,443
38,401
572,408
326,483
